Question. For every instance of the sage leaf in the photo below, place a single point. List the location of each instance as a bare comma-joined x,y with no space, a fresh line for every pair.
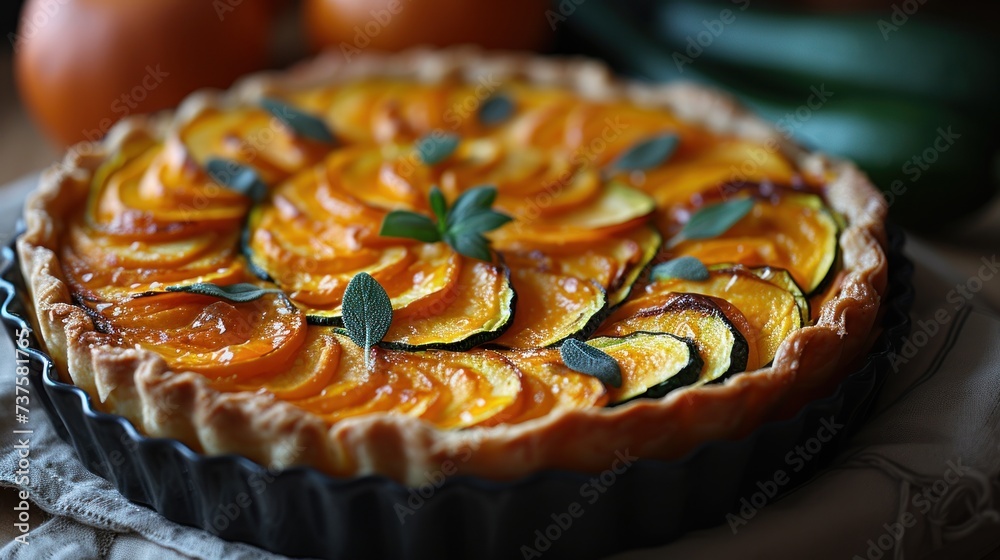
401,223
714,220
482,222
473,201
462,226
235,293
302,124
471,245
435,148
581,357
237,177
647,154
367,313
685,268
496,109
439,206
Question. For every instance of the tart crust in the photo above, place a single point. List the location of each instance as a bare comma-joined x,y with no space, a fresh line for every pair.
139,385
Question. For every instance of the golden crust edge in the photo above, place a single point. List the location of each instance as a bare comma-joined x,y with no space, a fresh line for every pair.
138,385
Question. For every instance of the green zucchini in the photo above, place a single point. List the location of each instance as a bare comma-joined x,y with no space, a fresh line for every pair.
652,364
722,347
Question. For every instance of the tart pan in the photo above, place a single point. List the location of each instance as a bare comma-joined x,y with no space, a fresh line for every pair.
302,512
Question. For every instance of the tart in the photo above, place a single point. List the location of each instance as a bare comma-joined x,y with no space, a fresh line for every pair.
193,271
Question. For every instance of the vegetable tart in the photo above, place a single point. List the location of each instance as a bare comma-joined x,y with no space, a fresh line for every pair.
510,262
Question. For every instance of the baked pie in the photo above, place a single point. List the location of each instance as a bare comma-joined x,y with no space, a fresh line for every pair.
510,262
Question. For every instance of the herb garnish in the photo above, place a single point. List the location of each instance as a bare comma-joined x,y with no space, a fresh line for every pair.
713,221
367,313
235,293
496,109
436,147
584,358
647,154
462,227
685,268
299,122
237,177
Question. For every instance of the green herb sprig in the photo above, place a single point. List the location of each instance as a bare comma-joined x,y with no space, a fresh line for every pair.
714,220
647,154
367,313
685,268
234,293
584,358
237,177
302,124
462,226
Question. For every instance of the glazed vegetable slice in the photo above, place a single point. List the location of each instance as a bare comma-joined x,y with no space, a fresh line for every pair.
721,346
615,263
448,389
477,309
796,232
771,311
311,372
551,308
782,278
551,386
205,335
652,364
618,208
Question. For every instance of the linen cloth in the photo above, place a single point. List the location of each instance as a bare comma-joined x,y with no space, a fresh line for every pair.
921,479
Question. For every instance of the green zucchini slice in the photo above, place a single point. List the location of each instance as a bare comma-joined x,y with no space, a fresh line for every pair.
551,308
652,364
721,346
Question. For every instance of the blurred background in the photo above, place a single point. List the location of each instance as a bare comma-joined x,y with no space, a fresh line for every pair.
908,89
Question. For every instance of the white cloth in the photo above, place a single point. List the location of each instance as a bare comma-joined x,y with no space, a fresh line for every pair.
928,461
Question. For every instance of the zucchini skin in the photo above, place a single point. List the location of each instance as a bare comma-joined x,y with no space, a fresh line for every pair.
472,341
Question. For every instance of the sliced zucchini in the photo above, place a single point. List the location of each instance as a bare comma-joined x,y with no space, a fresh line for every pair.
478,308
795,231
551,308
772,311
652,364
723,349
782,278
649,241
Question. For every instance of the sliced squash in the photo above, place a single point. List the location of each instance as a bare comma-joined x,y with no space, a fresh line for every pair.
448,389
478,308
615,263
771,311
551,308
311,372
652,364
722,347
551,386
209,336
782,278
794,231
616,209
